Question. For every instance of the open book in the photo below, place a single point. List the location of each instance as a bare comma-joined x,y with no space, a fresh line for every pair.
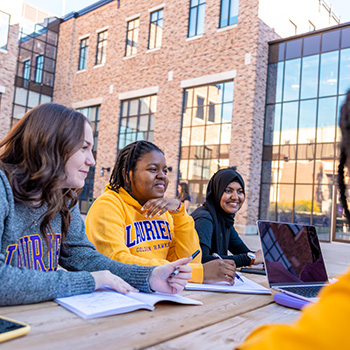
247,286
108,302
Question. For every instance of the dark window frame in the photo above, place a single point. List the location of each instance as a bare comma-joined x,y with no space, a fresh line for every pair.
101,47
228,14
133,46
155,23
83,53
200,3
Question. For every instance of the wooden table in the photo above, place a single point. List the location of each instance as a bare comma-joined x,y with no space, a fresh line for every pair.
223,321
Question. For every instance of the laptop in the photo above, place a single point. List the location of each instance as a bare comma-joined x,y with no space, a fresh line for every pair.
293,259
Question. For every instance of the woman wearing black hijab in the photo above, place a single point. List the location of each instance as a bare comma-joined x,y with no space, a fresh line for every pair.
215,218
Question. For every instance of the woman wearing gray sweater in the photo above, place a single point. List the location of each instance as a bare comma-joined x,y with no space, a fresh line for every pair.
43,161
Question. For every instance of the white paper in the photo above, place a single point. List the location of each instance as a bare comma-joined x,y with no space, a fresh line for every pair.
109,302
248,286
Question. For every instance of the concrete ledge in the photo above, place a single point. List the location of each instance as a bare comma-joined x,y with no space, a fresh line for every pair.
246,229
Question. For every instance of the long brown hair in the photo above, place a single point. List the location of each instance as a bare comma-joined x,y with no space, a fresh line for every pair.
33,156
344,123
184,191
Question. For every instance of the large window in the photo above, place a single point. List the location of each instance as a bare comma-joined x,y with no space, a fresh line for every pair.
4,29
39,66
197,16
307,81
35,68
86,196
101,48
83,53
229,12
155,29
132,35
206,135
137,120
26,70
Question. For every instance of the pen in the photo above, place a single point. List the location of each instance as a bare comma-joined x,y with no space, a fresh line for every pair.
193,256
217,256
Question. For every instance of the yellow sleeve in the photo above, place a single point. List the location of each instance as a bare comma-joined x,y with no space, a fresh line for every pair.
105,228
186,243
323,325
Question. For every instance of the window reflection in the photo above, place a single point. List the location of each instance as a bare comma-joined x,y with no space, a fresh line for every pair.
291,80
309,77
206,130
301,136
329,73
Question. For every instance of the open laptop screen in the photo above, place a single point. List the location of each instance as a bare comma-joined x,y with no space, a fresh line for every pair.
292,253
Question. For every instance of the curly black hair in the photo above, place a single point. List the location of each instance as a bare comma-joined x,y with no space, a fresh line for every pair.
126,161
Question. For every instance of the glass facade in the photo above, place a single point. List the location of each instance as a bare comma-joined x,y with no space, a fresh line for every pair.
35,68
86,196
137,120
206,135
307,81
197,16
155,29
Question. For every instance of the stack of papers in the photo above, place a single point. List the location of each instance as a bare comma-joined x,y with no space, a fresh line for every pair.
247,286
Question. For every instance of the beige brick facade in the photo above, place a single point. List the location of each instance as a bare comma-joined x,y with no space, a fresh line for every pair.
241,48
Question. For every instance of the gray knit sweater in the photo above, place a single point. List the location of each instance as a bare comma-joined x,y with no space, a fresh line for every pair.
28,274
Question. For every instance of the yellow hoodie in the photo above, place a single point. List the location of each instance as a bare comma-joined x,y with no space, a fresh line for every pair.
322,326
119,229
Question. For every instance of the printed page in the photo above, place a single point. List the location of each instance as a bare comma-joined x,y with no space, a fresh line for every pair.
101,303
153,298
247,286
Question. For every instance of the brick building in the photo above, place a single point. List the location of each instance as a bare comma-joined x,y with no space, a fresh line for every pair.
8,61
188,75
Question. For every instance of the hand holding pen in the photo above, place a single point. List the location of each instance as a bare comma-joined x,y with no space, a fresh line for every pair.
217,256
177,268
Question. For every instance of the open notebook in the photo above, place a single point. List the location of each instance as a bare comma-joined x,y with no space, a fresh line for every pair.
108,302
247,286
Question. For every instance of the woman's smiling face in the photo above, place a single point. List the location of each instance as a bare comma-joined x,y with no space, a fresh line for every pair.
233,198
149,179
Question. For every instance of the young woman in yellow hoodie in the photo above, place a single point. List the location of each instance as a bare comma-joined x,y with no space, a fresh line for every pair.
134,223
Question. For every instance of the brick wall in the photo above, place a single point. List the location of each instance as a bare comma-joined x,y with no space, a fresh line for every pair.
8,65
215,52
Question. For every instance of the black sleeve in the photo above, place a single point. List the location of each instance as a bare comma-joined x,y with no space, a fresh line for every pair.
204,227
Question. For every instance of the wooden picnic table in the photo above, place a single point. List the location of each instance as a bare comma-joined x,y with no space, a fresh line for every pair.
223,321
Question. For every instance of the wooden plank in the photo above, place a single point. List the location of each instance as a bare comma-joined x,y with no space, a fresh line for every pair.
54,325
57,326
227,334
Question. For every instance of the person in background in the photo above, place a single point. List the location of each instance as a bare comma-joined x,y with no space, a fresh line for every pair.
323,325
134,223
184,194
44,159
214,220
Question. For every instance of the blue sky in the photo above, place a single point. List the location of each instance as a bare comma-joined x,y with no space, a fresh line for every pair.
61,7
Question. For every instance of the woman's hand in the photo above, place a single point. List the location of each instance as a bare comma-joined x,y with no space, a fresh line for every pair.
107,279
160,206
219,270
161,279
258,257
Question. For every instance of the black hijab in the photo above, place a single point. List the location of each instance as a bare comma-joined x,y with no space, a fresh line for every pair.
222,221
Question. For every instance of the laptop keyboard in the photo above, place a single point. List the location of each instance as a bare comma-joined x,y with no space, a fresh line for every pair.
305,291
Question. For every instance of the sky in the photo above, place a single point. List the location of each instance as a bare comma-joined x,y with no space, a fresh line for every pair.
62,7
